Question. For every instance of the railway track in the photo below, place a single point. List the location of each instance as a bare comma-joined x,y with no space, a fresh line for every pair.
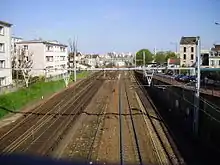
99,121
129,149
31,134
165,149
85,140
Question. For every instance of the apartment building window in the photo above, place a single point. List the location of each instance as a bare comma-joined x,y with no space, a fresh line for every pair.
2,63
62,58
49,48
62,66
1,30
184,49
184,56
25,47
192,56
49,67
49,58
192,49
2,47
212,62
62,49
2,81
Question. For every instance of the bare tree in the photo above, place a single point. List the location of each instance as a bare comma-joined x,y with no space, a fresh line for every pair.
22,63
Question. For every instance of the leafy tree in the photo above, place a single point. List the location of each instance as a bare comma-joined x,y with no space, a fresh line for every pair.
170,54
139,56
160,57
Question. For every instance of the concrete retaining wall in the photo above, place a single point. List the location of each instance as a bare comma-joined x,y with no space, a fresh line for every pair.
177,105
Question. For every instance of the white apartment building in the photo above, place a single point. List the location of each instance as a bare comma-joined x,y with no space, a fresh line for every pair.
214,56
187,51
49,55
15,40
5,54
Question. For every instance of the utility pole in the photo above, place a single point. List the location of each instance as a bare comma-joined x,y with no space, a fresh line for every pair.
135,60
197,91
143,64
176,49
75,51
176,45
155,50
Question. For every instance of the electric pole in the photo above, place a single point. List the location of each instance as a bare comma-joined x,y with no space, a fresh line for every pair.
75,51
197,91
143,64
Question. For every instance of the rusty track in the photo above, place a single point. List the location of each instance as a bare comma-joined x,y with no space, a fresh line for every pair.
133,125
35,129
100,119
173,157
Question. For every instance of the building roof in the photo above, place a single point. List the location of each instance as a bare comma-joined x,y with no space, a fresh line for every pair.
215,48
16,37
188,41
95,56
5,23
175,61
42,41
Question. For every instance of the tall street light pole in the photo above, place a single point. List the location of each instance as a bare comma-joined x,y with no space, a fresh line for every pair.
176,44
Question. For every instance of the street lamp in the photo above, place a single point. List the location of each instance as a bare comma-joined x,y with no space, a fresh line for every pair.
174,43
217,23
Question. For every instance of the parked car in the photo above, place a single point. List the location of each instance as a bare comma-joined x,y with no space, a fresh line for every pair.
177,78
192,78
169,72
185,79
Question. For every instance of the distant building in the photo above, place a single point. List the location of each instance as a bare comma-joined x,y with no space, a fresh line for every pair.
79,59
214,56
205,57
187,51
92,60
49,55
5,54
173,62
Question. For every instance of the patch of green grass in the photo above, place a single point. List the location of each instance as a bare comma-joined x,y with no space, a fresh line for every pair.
23,96
80,75
20,98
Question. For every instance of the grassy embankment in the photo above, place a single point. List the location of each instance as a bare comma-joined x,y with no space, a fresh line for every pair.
24,96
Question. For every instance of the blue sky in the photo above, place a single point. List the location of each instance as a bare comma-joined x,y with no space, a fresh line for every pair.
114,25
